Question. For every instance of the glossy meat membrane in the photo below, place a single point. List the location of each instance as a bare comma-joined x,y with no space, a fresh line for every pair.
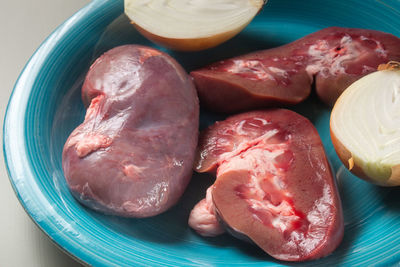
273,184
133,154
332,59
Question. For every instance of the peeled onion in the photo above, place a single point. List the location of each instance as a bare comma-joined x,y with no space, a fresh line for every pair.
191,25
365,126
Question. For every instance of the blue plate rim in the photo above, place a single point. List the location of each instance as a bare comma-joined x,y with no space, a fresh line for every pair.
11,154
14,122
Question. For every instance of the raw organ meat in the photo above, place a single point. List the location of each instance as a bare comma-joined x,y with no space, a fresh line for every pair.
274,183
133,154
332,58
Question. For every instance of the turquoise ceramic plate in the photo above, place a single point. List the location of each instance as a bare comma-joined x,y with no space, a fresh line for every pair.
45,106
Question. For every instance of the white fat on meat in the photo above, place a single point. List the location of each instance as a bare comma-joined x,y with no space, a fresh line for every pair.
90,143
258,69
325,60
203,218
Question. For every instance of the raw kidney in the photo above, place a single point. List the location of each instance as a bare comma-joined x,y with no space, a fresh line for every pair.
274,183
133,154
332,58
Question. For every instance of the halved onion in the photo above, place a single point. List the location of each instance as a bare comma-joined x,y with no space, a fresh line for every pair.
191,25
365,126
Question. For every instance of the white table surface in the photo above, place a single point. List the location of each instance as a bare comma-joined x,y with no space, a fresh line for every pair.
24,24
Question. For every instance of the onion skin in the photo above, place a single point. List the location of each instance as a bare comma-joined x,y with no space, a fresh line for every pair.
346,156
189,45
197,41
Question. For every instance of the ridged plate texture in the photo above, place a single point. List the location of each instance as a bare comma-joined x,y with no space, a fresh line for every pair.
45,107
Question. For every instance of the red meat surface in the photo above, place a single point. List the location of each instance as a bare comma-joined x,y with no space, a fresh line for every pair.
273,183
133,154
332,58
